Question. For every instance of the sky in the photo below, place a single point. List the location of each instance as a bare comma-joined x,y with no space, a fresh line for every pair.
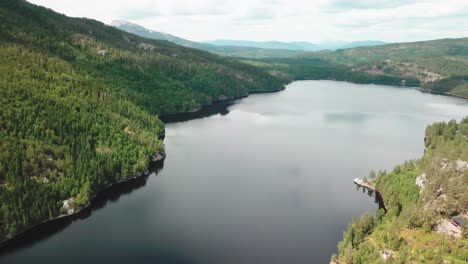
315,21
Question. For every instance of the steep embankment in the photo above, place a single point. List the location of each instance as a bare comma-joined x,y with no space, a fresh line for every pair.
78,105
422,197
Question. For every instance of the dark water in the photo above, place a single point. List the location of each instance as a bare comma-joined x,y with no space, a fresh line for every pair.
267,179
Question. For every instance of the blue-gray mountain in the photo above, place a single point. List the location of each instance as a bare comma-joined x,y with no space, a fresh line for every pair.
296,45
242,48
232,51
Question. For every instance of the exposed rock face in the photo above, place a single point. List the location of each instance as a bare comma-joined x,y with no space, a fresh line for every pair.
158,156
130,131
387,254
146,46
461,165
441,186
443,164
444,227
69,206
102,52
241,77
421,180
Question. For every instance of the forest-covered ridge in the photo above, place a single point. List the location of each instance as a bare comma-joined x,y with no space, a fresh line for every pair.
225,50
438,66
242,48
79,102
423,198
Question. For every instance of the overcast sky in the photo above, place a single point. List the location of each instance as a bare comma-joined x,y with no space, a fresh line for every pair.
283,20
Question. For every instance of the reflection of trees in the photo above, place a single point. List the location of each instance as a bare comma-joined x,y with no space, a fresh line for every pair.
378,197
46,230
221,108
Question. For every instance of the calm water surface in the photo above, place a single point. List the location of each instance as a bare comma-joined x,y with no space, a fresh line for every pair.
267,179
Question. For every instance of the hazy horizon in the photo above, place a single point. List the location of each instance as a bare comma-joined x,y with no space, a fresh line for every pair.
280,20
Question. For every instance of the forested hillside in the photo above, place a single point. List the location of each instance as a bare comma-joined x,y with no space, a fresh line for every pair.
78,106
422,197
438,66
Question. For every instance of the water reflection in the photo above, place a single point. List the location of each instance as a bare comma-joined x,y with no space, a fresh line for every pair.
219,108
347,117
378,197
46,230
269,183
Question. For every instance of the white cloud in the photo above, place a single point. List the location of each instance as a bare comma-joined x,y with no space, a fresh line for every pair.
287,20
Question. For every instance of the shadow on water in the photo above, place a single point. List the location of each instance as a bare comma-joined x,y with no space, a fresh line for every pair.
378,197
44,231
218,108
112,194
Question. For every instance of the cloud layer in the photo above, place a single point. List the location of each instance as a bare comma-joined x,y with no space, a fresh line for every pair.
284,20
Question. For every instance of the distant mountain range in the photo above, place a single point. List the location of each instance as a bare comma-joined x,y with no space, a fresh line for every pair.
242,48
232,51
303,46
92,94
147,33
438,66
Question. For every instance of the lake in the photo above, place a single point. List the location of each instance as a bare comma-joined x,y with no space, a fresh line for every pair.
265,179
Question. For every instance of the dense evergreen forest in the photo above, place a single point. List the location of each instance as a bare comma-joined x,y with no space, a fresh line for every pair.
311,68
438,66
79,103
421,196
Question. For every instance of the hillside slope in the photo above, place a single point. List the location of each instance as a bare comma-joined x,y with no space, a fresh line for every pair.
78,105
295,45
438,66
224,50
151,34
242,48
422,197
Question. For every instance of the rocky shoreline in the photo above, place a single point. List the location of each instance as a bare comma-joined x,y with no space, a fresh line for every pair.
158,157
